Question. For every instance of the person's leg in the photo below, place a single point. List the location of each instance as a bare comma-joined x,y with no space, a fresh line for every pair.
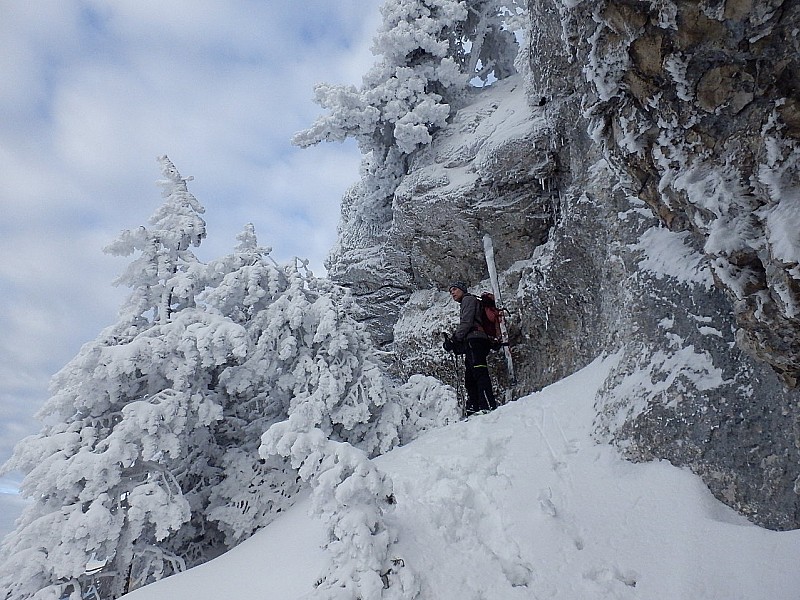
480,374
473,401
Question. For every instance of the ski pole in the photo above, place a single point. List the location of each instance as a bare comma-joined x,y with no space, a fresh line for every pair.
459,397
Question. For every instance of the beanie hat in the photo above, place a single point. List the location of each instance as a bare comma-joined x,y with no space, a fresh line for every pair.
460,285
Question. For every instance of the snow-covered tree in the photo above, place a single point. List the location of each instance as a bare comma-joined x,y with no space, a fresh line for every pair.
166,275
484,44
431,50
307,344
148,460
251,491
353,497
340,409
112,474
307,351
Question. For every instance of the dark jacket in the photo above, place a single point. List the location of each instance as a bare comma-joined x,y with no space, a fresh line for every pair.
469,326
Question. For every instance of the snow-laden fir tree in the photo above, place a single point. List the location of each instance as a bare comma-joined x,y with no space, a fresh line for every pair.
166,275
111,476
306,348
251,491
431,50
148,459
338,408
350,494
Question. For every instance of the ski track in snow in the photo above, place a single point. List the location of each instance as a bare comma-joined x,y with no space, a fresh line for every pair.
522,503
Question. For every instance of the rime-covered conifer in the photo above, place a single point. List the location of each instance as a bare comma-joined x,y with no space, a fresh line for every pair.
166,275
308,353
148,461
431,50
112,477
250,491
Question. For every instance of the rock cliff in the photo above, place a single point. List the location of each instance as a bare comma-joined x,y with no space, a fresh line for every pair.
641,184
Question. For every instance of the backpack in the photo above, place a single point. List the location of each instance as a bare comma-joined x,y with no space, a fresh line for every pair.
490,316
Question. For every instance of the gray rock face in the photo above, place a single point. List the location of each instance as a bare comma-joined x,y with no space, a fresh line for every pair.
700,112
695,116
641,185
488,172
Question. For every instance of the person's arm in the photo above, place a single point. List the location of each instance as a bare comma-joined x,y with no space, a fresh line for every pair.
469,305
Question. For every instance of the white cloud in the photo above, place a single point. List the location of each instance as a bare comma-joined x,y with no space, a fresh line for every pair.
94,91
31,40
293,203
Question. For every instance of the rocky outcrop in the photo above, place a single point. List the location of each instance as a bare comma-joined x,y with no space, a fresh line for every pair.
700,110
490,171
694,107
691,107
641,184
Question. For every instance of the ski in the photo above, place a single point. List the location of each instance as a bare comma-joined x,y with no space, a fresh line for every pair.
488,250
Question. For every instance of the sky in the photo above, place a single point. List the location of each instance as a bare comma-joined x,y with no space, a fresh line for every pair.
523,503
93,92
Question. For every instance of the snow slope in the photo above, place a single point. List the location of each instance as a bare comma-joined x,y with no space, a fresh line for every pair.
522,503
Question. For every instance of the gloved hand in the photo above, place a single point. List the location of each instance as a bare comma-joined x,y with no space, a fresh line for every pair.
447,344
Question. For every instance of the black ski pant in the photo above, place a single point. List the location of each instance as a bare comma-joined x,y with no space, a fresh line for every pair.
476,377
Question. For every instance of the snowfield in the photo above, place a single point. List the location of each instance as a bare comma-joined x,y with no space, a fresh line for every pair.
523,503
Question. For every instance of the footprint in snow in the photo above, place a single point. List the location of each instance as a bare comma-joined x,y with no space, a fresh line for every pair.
603,575
546,504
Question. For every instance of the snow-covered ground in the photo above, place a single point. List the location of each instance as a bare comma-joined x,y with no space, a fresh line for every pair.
522,503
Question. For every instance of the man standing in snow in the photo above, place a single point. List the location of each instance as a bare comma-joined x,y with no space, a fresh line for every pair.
470,334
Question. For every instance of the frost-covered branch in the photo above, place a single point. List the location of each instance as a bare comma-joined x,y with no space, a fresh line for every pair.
352,496
430,52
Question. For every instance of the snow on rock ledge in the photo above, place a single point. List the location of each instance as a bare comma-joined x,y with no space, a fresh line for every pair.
487,172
